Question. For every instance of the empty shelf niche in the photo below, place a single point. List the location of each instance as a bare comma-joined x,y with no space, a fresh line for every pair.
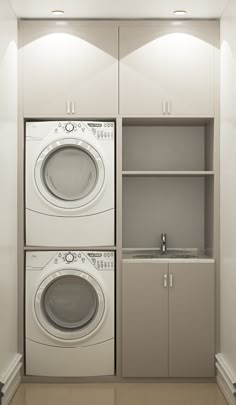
182,207
185,146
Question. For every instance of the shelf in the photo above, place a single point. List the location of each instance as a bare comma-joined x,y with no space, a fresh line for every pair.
95,248
147,173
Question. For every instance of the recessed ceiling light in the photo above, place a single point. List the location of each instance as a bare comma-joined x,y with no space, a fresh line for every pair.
180,12
57,12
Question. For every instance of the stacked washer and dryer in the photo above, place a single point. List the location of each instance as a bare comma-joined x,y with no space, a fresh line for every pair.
70,218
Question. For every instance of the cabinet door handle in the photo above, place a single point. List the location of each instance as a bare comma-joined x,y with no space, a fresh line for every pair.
164,107
73,107
169,107
68,107
171,281
165,281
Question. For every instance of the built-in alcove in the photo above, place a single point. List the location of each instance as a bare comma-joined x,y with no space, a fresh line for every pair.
168,183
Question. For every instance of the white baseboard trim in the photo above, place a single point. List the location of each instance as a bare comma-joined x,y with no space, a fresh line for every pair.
225,380
223,363
11,379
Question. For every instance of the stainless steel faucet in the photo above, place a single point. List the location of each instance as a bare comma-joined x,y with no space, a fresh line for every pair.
163,243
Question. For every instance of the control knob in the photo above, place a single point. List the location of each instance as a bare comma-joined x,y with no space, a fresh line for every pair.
69,258
69,127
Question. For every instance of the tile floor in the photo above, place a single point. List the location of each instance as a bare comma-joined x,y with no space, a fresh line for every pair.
119,394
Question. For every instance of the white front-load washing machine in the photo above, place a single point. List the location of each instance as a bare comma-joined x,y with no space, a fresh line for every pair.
69,313
69,183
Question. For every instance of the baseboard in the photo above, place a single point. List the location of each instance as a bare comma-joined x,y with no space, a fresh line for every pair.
114,380
11,379
226,380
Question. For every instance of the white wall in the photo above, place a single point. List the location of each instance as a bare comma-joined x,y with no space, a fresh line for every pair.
8,176
228,187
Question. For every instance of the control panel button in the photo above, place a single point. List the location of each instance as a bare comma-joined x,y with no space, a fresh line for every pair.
69,258
69,127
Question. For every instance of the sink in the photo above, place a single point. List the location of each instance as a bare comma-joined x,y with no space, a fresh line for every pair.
168,255
147,256
154,254
182,256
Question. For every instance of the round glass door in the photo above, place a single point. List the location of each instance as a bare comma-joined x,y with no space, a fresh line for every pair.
69,173
59,170
69,304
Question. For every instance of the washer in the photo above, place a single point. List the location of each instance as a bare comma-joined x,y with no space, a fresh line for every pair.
69,313
69,183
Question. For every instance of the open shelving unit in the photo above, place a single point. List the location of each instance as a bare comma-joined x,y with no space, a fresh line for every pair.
168,182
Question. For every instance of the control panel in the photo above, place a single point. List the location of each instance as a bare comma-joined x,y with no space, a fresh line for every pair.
100,260
101,130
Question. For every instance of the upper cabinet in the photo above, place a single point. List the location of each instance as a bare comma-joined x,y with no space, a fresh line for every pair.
169,68
70,69
153,68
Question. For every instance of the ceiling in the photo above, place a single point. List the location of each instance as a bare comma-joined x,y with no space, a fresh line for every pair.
118,8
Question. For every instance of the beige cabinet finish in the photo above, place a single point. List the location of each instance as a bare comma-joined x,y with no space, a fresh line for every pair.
191,320
168,69
143,74
144,320
70,70
192,70
167,323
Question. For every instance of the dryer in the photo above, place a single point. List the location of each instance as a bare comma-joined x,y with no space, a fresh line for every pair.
69,183
69,313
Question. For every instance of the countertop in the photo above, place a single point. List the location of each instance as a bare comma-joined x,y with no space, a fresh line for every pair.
183,256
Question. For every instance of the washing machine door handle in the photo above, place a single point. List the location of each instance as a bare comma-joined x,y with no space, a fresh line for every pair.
69,304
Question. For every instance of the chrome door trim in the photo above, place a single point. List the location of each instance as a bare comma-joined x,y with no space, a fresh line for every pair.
87,148
45,324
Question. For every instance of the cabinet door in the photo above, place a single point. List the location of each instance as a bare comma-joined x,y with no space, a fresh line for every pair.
191,320
70,63
191,69
143,70
144,320
168,62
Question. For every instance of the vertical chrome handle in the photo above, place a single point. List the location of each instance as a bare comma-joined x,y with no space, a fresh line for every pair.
73,107
68,107
163,237
171,280
169,107
165,280
164,107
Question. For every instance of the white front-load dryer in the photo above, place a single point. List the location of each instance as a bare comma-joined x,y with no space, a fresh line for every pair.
69,183
69,313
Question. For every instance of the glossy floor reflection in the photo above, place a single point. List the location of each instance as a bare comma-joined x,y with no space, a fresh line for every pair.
118,394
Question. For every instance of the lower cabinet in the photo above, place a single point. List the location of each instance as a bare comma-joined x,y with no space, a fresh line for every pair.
191,320
145,320
168,319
